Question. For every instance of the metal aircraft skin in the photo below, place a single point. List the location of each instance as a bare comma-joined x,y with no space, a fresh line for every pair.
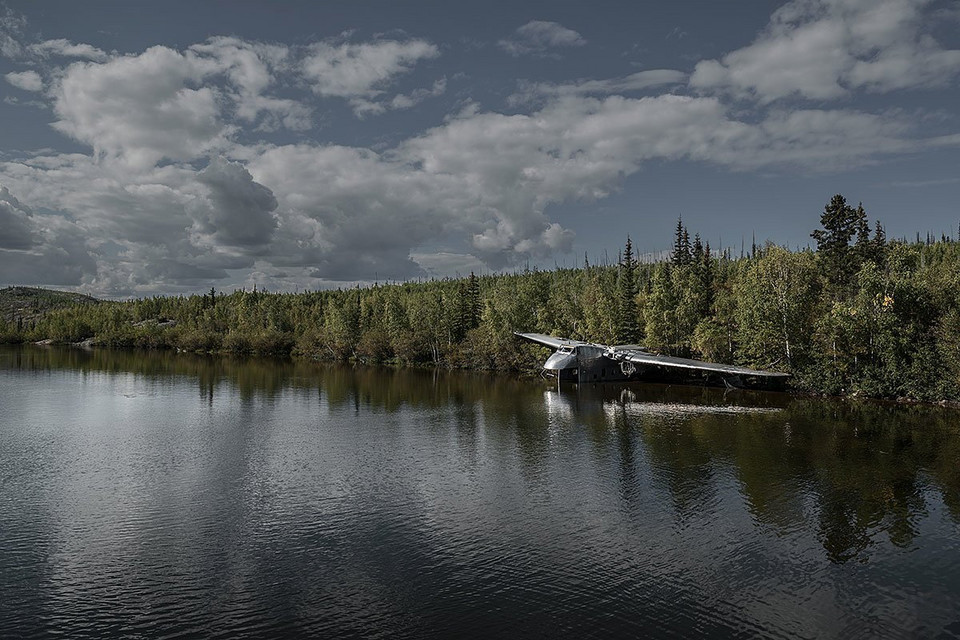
580,361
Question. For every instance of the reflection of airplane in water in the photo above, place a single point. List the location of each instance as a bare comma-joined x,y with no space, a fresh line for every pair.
604,403
576,361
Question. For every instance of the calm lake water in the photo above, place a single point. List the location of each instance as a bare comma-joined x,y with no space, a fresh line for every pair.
164,495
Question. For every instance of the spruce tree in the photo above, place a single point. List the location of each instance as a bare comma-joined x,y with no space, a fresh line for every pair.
702,278
661,311
627,328
879,244
697,250
840,222
681,244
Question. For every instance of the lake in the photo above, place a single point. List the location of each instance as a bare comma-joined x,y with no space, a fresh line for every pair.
167,495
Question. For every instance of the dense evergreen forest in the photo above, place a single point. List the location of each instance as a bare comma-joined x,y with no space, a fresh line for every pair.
859,315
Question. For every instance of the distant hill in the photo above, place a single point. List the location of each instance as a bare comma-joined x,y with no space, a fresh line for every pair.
32,303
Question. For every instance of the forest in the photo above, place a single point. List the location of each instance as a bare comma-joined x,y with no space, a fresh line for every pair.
858,315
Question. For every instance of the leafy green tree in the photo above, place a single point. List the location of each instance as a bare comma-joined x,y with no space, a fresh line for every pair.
715,336
777,299
661,309
425,314
598,298
474,302
342,326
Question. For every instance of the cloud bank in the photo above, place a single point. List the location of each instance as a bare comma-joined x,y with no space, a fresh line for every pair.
183,183
827,49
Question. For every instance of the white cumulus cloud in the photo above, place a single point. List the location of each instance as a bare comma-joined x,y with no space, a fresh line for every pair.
139,109
66,49
363,107
633,82
361,72
824,49
252,69
26,80
540,36
482,182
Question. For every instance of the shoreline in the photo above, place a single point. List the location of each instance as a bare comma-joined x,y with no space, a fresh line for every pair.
89,345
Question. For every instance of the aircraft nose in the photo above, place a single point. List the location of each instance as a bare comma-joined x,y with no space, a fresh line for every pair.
560,361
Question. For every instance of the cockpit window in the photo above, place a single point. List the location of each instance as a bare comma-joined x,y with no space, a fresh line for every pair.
566,349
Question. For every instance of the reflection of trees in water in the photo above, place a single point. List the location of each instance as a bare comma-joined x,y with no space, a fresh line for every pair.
683,463
262,377
870,466
866,466
506,403
665,423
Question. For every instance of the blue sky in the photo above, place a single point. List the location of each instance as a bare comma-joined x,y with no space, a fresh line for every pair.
169,147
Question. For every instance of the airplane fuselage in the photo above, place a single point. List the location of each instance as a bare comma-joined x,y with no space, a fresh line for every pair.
585,363
578,361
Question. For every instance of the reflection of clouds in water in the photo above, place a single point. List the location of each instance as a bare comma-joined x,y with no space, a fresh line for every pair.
425,503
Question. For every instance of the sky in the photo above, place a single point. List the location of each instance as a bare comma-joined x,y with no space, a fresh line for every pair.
164,148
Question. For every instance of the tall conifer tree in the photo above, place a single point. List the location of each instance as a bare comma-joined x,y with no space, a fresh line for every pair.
839,222
681,244
628,329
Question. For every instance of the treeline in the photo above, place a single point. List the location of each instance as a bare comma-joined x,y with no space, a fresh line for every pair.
860,315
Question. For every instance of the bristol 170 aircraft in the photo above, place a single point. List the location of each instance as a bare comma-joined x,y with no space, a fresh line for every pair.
576,361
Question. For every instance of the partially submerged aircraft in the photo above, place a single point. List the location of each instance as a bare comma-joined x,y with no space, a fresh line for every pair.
576,361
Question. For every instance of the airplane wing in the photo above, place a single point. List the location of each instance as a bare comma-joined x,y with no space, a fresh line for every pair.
638,356
551,341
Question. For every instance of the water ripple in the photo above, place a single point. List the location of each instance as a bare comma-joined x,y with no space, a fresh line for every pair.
133,507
